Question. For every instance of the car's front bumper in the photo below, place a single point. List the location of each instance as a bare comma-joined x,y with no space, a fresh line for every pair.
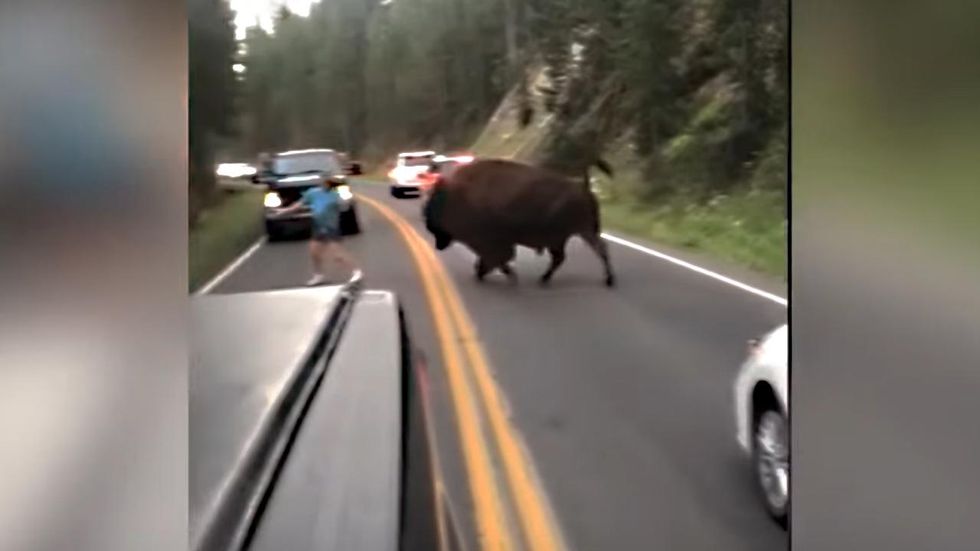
304,214
743,410
407,187
297,222
291,225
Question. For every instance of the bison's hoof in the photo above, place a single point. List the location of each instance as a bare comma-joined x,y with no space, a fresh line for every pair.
610,281
544,280
510,273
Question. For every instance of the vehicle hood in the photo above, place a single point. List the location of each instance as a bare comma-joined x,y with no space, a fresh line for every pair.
298,180
254,356
245,350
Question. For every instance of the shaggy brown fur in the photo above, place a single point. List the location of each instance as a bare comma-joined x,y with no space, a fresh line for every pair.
494,205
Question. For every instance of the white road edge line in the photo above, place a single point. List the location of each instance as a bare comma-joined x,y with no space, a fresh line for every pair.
230,268
724,279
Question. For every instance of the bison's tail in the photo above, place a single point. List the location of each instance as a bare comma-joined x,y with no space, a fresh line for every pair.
594,207
605,167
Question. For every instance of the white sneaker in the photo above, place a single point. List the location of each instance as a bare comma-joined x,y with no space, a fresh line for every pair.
357,275
315,280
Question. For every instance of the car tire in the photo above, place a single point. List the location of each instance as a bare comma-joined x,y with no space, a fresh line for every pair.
771,463
349,223
397,194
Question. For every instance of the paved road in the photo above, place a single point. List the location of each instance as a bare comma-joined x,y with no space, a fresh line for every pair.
623,396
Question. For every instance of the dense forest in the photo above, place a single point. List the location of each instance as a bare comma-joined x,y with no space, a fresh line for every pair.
695,91
212,94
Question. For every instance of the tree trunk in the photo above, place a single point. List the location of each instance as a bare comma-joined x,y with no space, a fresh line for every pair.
510,33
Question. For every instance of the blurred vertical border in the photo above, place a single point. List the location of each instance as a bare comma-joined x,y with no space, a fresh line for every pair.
885,296
93,271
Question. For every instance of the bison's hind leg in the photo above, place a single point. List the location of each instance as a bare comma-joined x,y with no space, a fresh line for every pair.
498,261
502,262
509,272
557,253
601,250
480,269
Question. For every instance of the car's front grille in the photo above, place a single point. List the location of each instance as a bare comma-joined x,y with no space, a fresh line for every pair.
290,195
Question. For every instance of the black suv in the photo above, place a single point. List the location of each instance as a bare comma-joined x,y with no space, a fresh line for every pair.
288,174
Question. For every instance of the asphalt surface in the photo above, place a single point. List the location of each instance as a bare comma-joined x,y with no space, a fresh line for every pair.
623,396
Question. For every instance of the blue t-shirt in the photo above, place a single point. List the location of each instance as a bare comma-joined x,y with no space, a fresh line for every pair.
325,206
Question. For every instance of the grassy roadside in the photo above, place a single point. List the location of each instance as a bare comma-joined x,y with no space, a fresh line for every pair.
222,233
747,228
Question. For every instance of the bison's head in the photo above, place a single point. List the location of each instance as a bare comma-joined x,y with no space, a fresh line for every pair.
432,212
443,239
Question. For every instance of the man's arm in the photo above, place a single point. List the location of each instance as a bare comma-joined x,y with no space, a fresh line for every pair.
291,208
298,205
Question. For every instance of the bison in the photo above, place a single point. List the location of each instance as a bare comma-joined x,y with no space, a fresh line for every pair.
493,205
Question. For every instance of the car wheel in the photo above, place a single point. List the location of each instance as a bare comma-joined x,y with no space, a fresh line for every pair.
395,193
349,224
770,454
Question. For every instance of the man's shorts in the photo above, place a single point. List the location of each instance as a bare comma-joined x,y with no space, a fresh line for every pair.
326,234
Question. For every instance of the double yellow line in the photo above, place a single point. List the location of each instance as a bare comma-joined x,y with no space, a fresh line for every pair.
469,376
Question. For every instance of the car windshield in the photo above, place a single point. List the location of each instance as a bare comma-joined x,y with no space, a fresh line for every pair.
416,161
305,163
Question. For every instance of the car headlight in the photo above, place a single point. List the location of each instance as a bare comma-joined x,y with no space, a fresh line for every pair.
272,200
345,193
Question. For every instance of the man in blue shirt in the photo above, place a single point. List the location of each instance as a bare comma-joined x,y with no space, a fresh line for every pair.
324,204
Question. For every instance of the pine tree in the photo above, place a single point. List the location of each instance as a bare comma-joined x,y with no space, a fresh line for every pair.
212,93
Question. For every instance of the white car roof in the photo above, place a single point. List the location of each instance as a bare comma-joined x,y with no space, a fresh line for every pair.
303,152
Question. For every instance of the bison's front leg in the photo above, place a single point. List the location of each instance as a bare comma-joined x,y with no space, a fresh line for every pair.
497,258
557,258
481,269
596,243
509,272
503,262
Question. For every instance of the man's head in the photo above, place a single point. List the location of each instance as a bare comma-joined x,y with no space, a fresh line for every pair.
265,161
332,182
